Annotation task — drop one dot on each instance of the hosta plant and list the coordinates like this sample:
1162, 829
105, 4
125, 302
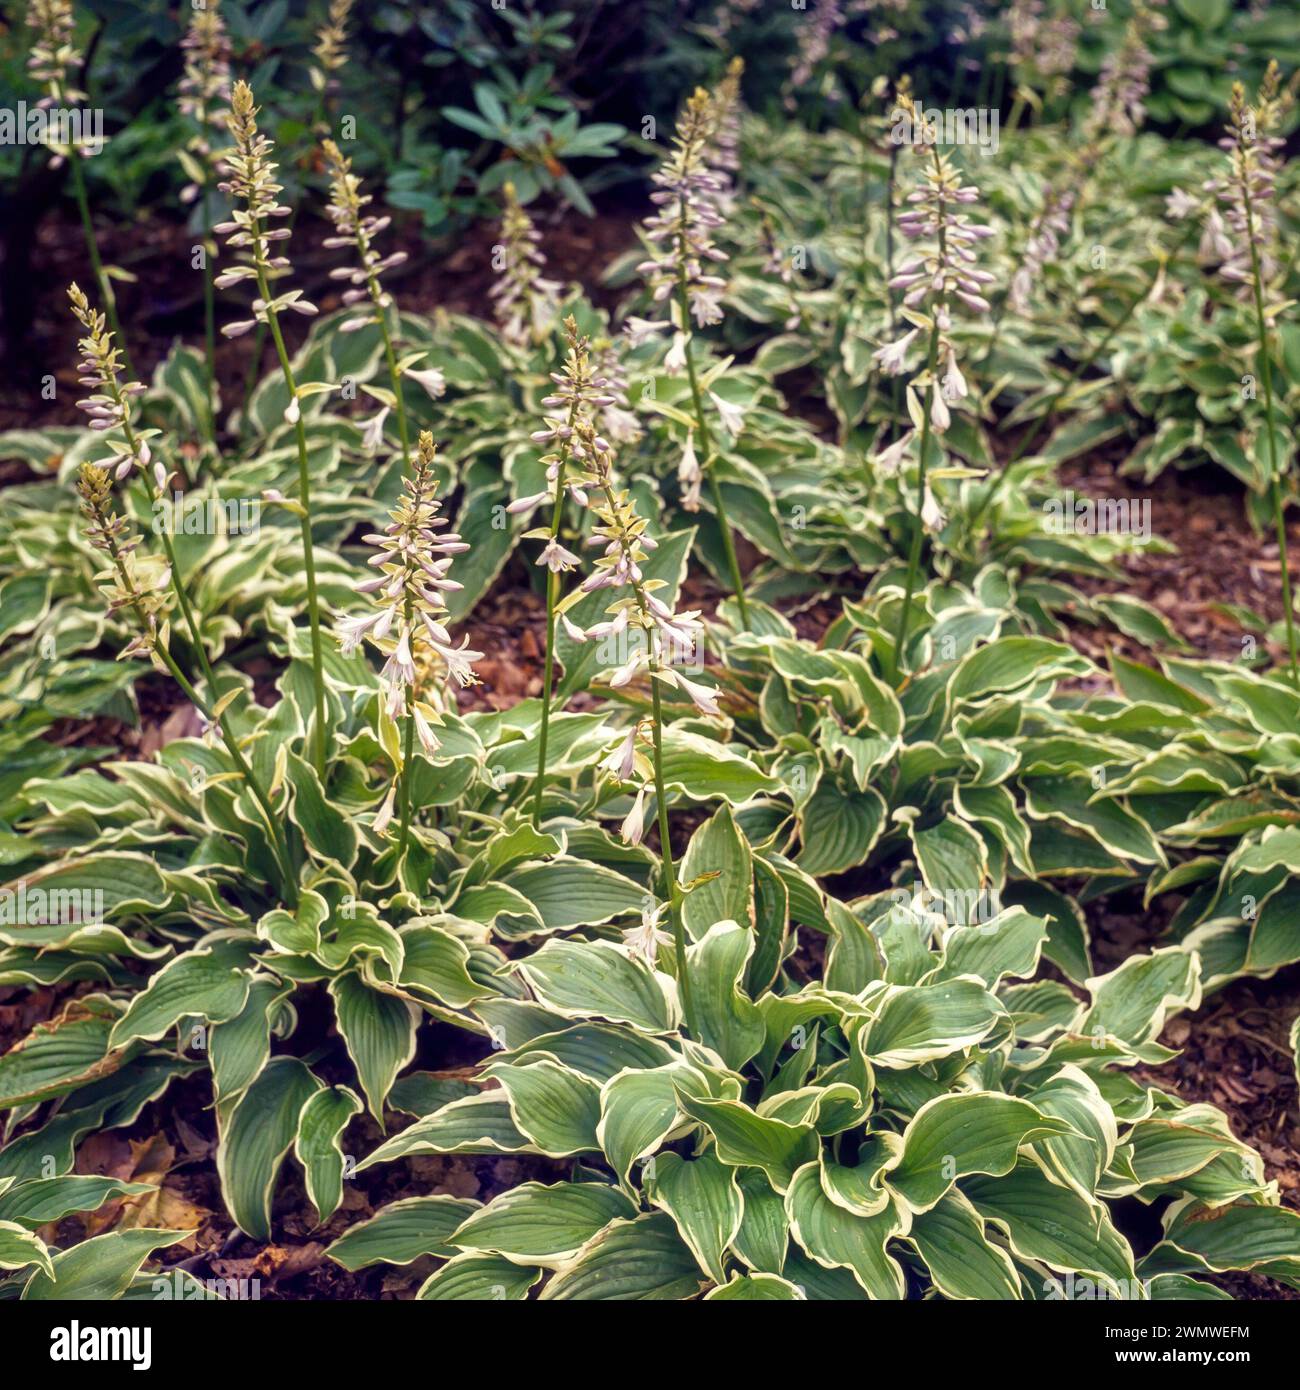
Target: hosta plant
923, 1122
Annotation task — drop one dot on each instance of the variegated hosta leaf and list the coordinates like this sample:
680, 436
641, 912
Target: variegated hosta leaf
702, 1197
718, 848
38, 1203
643, 1258
317, 1147
474, 1278
240, 1047
1009, 945
927, 1022
953, 1240
480, 1123
1133, 1001
641, 1107
20, 1248
755, 1288
554, 1107
957, 1135
1043, 1221
69, 1051
538, 1225
747, 1139
208, 982
100, 1268
379, 1030
600, 980
1265, 1239
402, 1232
836, 1238
111, 1101
254, 1141
729, 1021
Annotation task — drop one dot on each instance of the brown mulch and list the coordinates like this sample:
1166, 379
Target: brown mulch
1233, 1053
1219, 558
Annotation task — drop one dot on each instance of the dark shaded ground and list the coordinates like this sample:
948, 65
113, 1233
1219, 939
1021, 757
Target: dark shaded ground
1234, 1050
166, 301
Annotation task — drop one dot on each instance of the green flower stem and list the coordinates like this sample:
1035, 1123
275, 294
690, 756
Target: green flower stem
278, 837
895, 386
304, 499
408, 753
1275, 485
1017, 110
552, 600
210, 337
377, 298
706, 442
918, 530
403, 432
259, 337
289, 888
889, 238
251, 375
671, 890
209, 294
97, 265
390, 355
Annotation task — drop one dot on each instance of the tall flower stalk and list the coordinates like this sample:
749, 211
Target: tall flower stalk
680, 273
53, 56
576, 395
935, 282
1248, 194
357, 229
652, 639
1119, 98
330, 55
525, 302
130, 583
204, 82
413, 556
330, 52
252, 185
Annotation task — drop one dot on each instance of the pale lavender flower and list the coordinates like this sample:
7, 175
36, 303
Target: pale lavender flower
1042, 248
526, 303
1245, 231
1119, 98
413, 555
681, 231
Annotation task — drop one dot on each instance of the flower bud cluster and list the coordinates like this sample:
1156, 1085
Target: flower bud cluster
526, 303
1119, 98
355, 228
940, 276
1244, 233
1042, 248
108, 407
252, 184
413, 555
681, 231
329, 51
140, 585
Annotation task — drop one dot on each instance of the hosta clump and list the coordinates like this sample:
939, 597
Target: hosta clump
924, 1121
974, 783
1220, 784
